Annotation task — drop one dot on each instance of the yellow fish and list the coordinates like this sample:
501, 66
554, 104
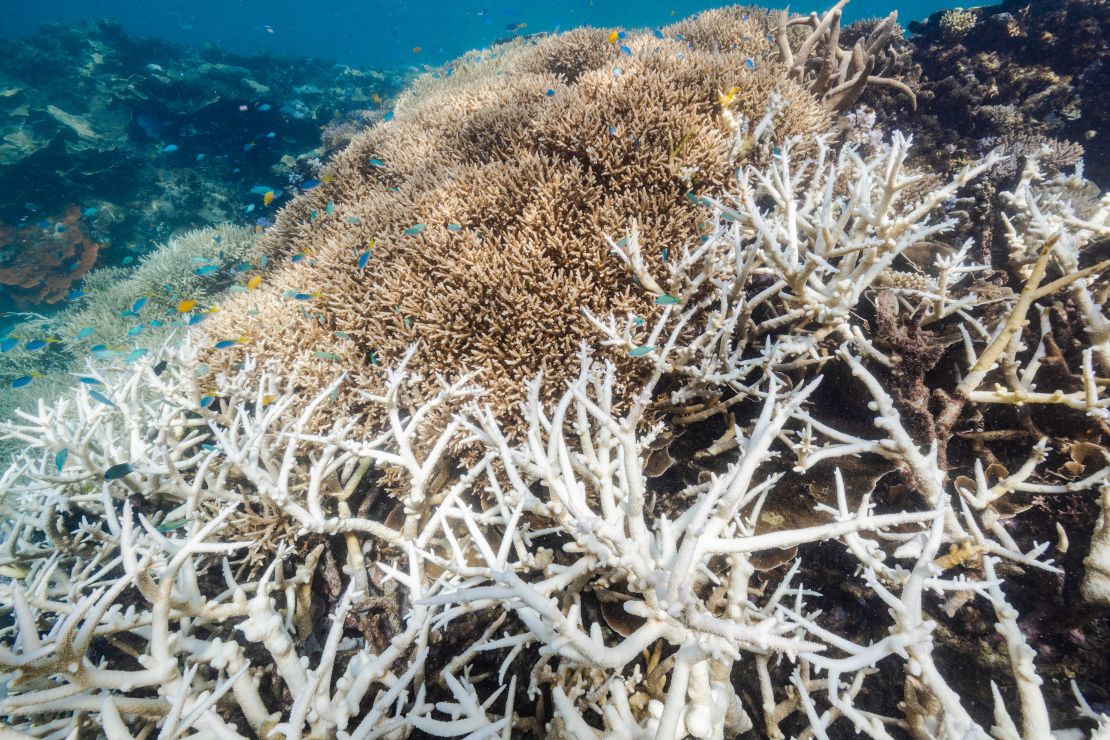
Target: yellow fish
267, 400
727, 97
186, 306
254, 282
613, 36
268, 198
376, 98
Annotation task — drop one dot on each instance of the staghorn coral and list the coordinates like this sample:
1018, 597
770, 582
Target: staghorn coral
41, 263
164, 277
957, 21
104, 317
478, 212
553, 588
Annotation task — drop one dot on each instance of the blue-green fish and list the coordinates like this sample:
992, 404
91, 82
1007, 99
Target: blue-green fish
101, 397
118, 471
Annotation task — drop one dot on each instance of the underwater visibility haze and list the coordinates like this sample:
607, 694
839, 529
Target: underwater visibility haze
579, 370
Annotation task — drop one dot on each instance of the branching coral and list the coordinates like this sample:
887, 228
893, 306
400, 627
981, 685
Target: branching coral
472, 223
551, 586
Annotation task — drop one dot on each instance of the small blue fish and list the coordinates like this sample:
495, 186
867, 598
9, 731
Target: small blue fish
625, 50
330, 207
414, 230
138, 305
60, 458
264, 107
207, 269
617, 71
353, 220
640, 351
156, 323
749, 63
297, 257
262, 261
8, 344
128, 260
388, 116
75, 295
659, 34
135, 354
200, 157
225, 343
89, 380
135, 330
85, 333
454, 227
21, 381
169, 149
550, 93
196, 319
206, 401
101, 397
90, 212
249, 208
377, 163
302, 296
363, 259
309, 184
118, 471
35, 344
666, 300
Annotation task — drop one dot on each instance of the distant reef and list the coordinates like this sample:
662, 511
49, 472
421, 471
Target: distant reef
142, 139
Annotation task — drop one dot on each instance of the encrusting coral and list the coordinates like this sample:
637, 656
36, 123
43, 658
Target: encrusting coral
800, 478
42, 262
473, 222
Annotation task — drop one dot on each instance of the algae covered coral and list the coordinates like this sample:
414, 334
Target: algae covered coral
614, 387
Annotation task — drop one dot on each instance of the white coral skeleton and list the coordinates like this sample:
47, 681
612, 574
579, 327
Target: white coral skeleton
140, 596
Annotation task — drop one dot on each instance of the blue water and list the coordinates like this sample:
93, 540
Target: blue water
378, 34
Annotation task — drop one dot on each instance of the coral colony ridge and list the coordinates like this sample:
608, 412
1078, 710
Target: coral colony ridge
619, 384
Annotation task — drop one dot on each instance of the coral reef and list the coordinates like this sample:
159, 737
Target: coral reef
554, 586
617, 384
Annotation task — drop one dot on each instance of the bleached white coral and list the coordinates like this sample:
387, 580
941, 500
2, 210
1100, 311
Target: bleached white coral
142, 591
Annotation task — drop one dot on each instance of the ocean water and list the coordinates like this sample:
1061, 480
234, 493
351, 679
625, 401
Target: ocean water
378, 34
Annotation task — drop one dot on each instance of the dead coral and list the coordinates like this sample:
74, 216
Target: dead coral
837, 75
